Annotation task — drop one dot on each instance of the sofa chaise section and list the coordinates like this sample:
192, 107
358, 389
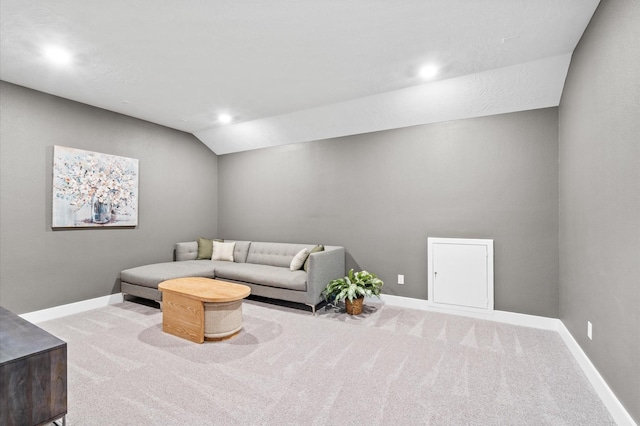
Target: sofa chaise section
143, 281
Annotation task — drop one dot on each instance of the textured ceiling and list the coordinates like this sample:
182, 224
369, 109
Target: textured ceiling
291, 71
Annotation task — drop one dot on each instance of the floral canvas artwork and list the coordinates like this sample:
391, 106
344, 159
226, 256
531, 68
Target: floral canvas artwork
92, 189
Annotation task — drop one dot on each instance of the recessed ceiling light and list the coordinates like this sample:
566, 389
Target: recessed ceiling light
225, 118
428, 71
57, 55
509, 38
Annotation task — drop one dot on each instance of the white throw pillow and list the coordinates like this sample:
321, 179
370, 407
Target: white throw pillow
298, 259
223, 251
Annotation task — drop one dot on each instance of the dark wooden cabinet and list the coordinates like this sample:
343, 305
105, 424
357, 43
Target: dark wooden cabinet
33, 373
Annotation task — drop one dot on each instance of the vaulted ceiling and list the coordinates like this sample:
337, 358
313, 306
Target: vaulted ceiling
290, 71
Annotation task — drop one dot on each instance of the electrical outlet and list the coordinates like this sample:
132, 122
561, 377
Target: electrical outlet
589, 330
400, 279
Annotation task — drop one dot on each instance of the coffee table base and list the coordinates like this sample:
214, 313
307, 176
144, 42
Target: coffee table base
222, 320
183, 317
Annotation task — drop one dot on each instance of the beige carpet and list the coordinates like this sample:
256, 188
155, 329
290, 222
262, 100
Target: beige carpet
389, 366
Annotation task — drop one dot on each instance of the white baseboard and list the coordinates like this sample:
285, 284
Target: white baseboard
616, 409
513, 318
71, 308
609, 399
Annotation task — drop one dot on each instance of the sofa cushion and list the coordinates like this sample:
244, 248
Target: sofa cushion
316, 249
205, 247
298, 259
241, 250
271, 276
186, 251
223, 251
152, 275
274, 254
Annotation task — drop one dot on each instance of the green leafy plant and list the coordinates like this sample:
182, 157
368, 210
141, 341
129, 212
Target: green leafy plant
353, 286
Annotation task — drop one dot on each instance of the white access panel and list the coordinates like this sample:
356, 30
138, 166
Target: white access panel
460, 273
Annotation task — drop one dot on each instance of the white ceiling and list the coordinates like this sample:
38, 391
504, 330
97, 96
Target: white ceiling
293, 70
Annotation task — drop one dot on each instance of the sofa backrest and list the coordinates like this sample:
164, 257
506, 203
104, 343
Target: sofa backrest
240, 251
186, 251
274, 254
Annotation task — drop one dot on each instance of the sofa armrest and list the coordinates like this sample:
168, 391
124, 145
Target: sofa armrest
186, 251
324, 266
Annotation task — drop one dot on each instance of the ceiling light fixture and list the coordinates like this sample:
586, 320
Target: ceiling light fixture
428, 71
57, 55
224, 118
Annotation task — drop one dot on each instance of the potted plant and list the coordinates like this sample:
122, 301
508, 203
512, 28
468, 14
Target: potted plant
352, 289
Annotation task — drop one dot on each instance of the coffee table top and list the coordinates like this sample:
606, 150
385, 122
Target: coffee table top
206, 289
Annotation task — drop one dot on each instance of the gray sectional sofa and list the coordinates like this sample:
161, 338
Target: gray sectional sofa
263, 266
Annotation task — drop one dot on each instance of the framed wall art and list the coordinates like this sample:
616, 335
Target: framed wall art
91, 189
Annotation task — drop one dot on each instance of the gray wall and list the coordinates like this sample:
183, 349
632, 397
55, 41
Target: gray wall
41, 268
599, 134
382, 194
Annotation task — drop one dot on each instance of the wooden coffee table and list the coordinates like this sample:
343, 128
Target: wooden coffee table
200, 309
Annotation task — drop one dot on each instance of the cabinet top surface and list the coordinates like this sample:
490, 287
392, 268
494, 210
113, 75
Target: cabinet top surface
19, 338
